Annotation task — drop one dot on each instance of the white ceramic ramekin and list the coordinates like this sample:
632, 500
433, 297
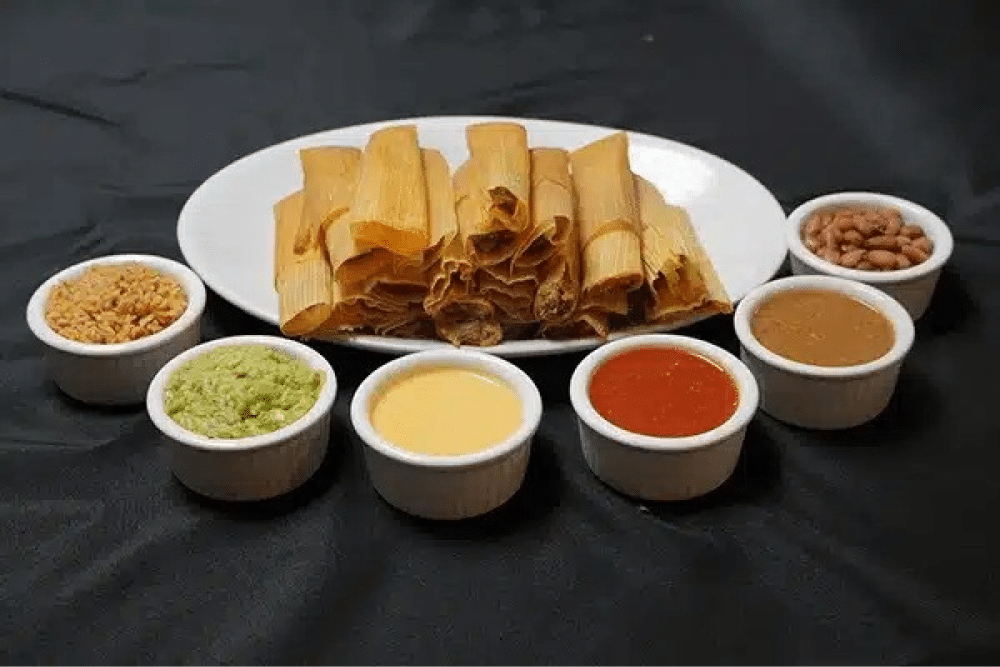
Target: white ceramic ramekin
116, 373
823, 397
655, 468
256, 467
447, 487
912, 287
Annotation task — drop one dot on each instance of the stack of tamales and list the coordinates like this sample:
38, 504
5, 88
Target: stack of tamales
519, 242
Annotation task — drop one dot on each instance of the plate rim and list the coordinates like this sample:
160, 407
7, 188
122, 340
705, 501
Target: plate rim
507, 349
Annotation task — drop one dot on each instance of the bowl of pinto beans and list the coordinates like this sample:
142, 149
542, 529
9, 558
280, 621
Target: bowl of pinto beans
890, 243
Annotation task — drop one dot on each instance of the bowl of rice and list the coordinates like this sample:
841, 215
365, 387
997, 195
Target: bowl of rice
109, 324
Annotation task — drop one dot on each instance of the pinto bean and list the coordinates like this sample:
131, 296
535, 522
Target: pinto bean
868, 227
883, 259
854, 237
923, 243
851, 258
845, 225
882, 242
914, 254
830, 254
830, 236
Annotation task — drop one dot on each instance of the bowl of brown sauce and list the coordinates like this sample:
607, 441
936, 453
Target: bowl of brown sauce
662, 416
825, 351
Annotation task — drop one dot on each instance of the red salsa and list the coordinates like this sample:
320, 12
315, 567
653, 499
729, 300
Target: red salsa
663, 392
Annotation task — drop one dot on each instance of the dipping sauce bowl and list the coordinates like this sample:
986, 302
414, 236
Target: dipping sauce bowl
442, 452
255, 467
824, 396
656, 467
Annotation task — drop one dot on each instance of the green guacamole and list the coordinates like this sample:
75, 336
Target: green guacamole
241, 390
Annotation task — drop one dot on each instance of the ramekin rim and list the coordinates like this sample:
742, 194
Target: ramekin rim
890, 308
932, 224
166, 425
748, 392
193, 286
519, 381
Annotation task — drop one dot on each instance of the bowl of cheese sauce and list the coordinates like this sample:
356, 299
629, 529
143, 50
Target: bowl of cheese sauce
447, 433
825, 350
662, 416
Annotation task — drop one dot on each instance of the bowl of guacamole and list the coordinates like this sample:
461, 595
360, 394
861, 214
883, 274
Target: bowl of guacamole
245, 417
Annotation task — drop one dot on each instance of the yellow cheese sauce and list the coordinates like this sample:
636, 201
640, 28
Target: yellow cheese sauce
446, 411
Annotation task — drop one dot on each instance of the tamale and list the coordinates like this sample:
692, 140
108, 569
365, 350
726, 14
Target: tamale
515, 298
442, 225
461, 316
555, 228
680, 278
328, 177
607, 207
499, 154
302, 278
580, 324
287, 213
512, 289
389, 209
470, 321
609, 231
551, 206
383, 278
355, 271
450, 277
405, 283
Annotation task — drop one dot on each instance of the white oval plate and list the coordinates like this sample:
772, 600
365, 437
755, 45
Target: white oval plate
226, 228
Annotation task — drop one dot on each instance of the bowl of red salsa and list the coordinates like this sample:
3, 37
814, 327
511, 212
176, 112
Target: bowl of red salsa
662, 416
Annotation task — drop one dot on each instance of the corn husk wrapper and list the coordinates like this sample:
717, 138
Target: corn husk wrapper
498, 153
302, 279
403, 281
460, 315
514, 298
680, 279
287, 213
387, 289
609, 230
551, 207
389, 208
442, 223
450, 267
555, 227
356, 271
328, 179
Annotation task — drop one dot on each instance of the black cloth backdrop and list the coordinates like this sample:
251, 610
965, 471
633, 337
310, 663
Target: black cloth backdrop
876, 544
